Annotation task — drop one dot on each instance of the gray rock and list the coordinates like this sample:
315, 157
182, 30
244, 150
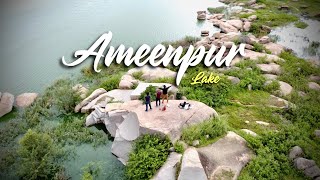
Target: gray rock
26, 99
129, 128
314, 86
296, 152
236, 23
249, 132
234, 80
302, 163
264, 40
314, 78
262, 123
121, 148
312, 172
270, 76
285, 88
101, 100
274, 48
195, 143
229, 153
90, 98
278, 102
120, 95
247, 26
271, 68
114, 119
191, 167
252, 18
81, 90
317, 133
169, 169
6, 103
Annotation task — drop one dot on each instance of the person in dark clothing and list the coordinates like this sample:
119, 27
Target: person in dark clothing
148, 101
158, 97
165, 93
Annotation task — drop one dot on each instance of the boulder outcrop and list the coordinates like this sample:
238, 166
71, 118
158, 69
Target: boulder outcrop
169, 170
229, 153
26, 99
6, 103
191, 167
90, 98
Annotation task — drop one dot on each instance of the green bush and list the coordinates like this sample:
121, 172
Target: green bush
217, 10
73, 131
138, 75
214, 128
178, 147
151, 90
38, 156
272, 86
91, 171
301, 25
149, 154
111, 83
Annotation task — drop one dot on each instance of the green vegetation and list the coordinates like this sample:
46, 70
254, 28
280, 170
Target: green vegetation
185, 42
111, 82
217, 10
178, 147
38, 156
206, 132
149, 154
138, 75
301, 25
151, 90
91, 170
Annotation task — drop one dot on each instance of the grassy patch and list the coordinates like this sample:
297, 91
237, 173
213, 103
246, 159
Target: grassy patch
138, 75
11, 115
111, 82
149, 154
178, 147
217, 10
301, 25
206, 132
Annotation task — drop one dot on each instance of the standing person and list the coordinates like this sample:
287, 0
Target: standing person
165, 93
158, 97
148, 101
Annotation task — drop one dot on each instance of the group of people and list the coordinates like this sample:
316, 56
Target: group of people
159, 94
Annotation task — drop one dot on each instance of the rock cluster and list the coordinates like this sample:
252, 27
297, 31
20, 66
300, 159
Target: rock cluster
229, 154
80, 90
308, 167
127, 121
149, 73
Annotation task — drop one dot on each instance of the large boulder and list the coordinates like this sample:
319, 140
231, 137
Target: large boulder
264, 40
274, 101
274, 48
227, 28
169, 169
285, 88
295, 153
6, 103
270, 76
234, 80
100, 101
314, 86
121, 148
303, 163
90, 98
127, 82
229, 153
271, 68
120, 95
26, 99
113, 120
247, 26
236, 23
252, 55
191, 167
229, 37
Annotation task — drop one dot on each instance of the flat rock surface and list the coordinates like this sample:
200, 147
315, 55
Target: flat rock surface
153, 73
229, 153
121, 95
171, 121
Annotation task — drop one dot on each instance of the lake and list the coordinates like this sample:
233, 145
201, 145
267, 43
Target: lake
35, 34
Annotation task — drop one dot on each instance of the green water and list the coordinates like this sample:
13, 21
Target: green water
36, 34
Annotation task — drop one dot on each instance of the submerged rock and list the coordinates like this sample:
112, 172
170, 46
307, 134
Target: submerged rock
26, 99
6, 103
229, 154
191, 167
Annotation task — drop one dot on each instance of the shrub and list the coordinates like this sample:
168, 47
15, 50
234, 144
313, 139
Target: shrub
91, 171
217, 10
214, 128
151, 90
111, 83
178, 147
149, 154
272, 86
138, 75
73, 131
258, 47
38, 156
